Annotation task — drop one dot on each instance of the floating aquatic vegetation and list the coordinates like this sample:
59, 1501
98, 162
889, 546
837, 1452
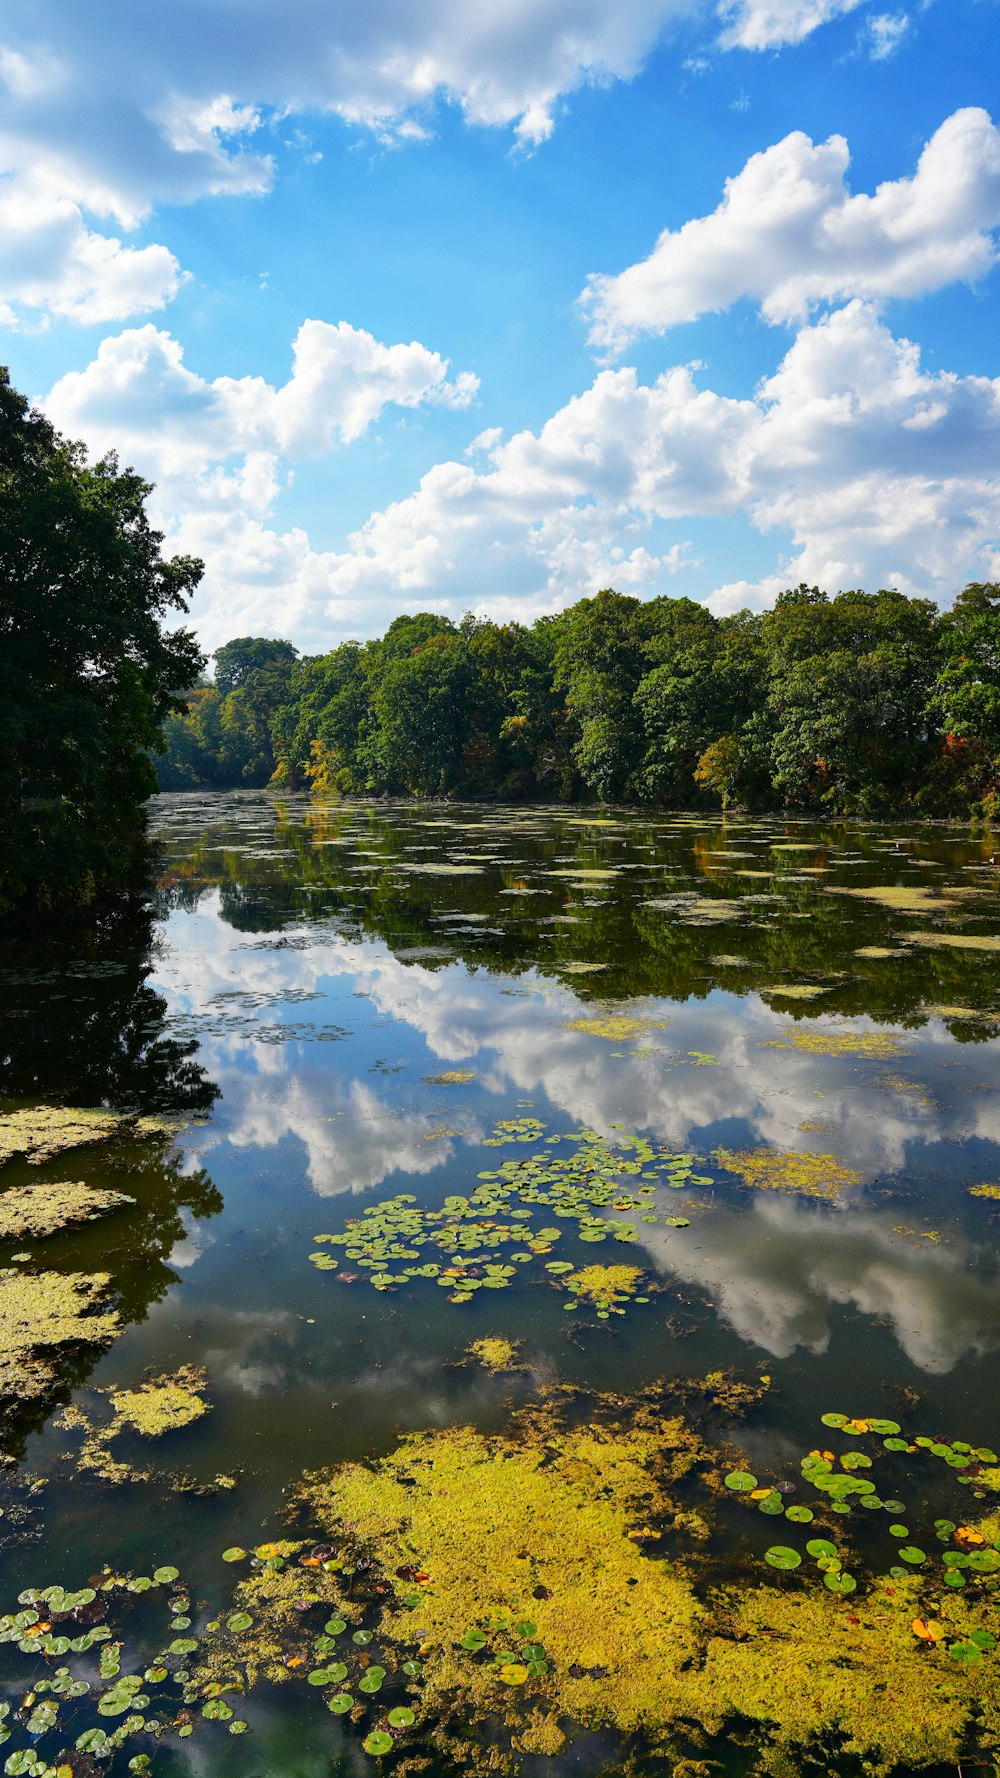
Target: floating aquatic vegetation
958, 941
879, 952
39, 1132
932, 1010
451, 1077
480, 1241
772, 1169
837, 1043
536, 1608
41, 1312
607, 1287
585, 875
34, 1211
614, 1027
692, 909
908, 898
985, 1191
155, 1407
495, 1354
798, 990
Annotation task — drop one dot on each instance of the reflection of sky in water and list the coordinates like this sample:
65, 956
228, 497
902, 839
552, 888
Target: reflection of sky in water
777, 1270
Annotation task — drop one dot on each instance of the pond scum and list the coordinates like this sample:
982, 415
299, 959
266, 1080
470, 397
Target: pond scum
489, 1599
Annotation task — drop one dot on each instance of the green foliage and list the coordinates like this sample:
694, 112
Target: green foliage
87, 671
850, 705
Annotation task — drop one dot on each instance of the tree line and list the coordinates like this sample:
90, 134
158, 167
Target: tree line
859, 704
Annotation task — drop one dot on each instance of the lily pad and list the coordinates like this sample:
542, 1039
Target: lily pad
377, 1742
781, 1556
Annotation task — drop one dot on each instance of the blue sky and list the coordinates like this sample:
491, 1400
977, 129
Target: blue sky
436, 307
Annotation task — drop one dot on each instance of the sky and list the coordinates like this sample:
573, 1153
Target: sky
422, 306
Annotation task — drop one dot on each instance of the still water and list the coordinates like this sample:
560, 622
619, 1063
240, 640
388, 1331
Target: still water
790, 1031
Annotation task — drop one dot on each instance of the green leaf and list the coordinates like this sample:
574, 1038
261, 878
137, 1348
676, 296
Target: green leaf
780, 1556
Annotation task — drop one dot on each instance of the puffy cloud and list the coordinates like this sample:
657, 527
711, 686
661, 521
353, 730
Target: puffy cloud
788, 235
138, 396
879, 472
51, 261
768, 24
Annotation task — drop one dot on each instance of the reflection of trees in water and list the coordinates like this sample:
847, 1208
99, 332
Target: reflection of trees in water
790, 930
79, 1026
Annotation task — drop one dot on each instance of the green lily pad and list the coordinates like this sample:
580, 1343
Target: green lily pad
340, 1703
840, 1583
820, 1546
401, 1717
799, 1515
912, 1554
741, 1481
240, 1620
377, 1742
164, 1575
234, 1554
833, 1419
780, 1556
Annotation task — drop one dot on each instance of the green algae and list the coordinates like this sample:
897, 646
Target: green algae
41, 1313
496, 1355
34, 1211
838, 1043
614, 1027
804, 1174
40, 1132
156, 1406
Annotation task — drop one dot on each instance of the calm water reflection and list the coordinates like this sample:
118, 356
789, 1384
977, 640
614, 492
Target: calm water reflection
308, 974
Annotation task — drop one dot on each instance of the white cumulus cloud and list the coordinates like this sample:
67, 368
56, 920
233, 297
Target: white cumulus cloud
789, 234
867, 469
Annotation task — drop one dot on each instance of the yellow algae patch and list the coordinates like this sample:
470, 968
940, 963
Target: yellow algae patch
581, 875
544, 1530
614, 1027
601, 1284
771, 1169
956, 941
39, 1210
797, 990
451, 1077
961, 1012
985, 1191
532, 1574
912, 898
837, 1043
495, 1355
40, 1312
698, 910
878, 952
162, 1405
41, 1131
801, 1665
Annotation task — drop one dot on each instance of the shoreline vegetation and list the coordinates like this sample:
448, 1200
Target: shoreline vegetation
863, 704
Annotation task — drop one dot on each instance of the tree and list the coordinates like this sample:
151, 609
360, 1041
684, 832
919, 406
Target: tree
236, 661
88, 672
